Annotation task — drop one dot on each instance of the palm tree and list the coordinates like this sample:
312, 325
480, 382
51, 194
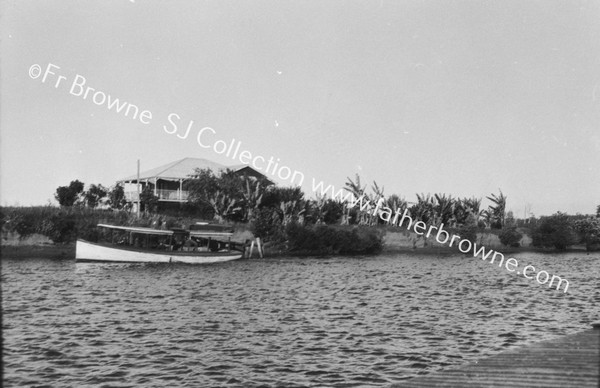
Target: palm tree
395, 203
377, 195
488, 218
499, 210
423, 210
252, 195
292, 211
464, 207
443, 209
473, 205
223, 205
318, 207
357, 191
222, 193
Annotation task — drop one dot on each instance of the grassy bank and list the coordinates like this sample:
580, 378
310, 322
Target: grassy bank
397, 240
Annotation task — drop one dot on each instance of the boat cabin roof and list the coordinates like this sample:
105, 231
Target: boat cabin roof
171, 232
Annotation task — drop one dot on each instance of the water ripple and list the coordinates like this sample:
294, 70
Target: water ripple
335, 322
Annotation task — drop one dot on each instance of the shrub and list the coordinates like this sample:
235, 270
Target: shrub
510, 237
367, 240
267, 225
24, 225
468, 232
61, 225
116, 197
62, 228
333, 211
149, 201
589, 230
555, 231
25, 221
327, 240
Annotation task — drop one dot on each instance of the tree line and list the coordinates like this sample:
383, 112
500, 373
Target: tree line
94, 196
273, 212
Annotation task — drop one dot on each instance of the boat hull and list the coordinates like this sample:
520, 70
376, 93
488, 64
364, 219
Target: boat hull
87, 251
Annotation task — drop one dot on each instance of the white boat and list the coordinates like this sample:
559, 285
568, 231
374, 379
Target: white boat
201, 245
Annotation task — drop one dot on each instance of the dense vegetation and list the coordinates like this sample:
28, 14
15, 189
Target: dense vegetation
64, 224
283, 217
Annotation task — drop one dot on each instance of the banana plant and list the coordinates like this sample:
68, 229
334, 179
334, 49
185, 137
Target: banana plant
252, 196
499, 210
357, 191
443, 209
223, 205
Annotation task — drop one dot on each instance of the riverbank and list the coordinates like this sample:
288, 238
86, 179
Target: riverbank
405, 242
58, 251
394, 242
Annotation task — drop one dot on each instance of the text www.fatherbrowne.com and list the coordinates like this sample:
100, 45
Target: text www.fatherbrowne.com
465, 246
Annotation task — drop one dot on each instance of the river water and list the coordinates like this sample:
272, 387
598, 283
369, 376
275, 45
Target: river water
335, 322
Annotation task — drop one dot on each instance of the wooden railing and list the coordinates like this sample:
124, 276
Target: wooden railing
172, 195
163, 195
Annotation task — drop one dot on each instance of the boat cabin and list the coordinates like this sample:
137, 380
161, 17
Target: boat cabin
199, 238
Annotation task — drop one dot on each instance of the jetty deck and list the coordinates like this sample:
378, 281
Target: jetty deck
570, 361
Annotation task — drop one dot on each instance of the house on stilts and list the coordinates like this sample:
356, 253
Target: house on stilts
168, 181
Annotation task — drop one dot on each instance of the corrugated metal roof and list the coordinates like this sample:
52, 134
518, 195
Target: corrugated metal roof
181, 169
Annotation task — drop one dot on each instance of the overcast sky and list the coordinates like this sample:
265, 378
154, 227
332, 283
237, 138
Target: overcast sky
459, 97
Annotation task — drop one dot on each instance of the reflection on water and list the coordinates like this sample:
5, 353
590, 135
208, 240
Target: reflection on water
338, 322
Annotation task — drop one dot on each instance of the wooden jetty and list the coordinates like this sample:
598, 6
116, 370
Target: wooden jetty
570, 361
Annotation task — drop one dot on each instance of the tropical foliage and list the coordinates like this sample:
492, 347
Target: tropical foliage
61, 225
555, 231
69, 195
94, 195
325, 240
148, 200
353, 215
116, 198
230, 197
510, 237
589, 230
282, 215
496, 213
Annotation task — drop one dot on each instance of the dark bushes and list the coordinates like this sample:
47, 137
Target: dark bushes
267, 224
26, 220
510, 237
555, 231
589, 230
61, 225
330, 240
62, 228
468, 232
66, 224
